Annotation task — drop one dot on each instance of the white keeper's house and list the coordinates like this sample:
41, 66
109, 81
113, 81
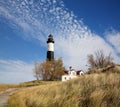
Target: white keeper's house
71, 74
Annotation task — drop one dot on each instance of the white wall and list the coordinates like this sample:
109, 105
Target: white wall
71, 74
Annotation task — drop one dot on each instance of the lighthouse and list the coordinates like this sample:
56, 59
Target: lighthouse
50, 50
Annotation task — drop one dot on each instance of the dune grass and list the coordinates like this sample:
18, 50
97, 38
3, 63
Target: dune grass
4, 87
34, 83
94, 90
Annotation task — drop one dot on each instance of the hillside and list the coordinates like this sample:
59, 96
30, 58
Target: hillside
95, 90
4, 87
111, 68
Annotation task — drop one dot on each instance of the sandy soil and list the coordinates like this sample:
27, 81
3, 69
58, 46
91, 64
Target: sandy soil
4, 96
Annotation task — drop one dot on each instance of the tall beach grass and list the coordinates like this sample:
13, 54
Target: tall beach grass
4, 87
95, 90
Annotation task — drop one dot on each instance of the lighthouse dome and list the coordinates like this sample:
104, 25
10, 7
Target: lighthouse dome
50, 39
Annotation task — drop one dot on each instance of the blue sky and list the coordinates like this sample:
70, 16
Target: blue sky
99, 15
79, 28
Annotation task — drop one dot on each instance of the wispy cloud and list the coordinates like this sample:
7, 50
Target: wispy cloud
15, 71
114, 39
75, 52
73, 39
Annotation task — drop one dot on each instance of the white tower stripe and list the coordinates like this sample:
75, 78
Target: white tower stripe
50, 46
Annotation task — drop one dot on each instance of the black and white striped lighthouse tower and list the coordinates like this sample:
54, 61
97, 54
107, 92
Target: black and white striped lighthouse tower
50, 51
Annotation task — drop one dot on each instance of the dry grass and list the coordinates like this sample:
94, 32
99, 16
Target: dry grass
4, 87
95, 90
108, 69
34, 83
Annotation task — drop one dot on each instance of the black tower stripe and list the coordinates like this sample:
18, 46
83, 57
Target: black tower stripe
50, 55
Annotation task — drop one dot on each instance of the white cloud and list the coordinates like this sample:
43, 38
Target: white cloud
15, 71
75, 50
114, 38
73, 40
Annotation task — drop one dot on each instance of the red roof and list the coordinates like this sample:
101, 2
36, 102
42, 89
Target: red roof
78, 72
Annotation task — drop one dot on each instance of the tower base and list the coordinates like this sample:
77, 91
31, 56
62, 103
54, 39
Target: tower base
50, 55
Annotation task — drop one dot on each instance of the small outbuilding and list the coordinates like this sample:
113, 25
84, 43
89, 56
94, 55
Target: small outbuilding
71, 74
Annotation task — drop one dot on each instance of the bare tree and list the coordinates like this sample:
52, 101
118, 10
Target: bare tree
99, 60
49, 70
91, 61
36, 71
